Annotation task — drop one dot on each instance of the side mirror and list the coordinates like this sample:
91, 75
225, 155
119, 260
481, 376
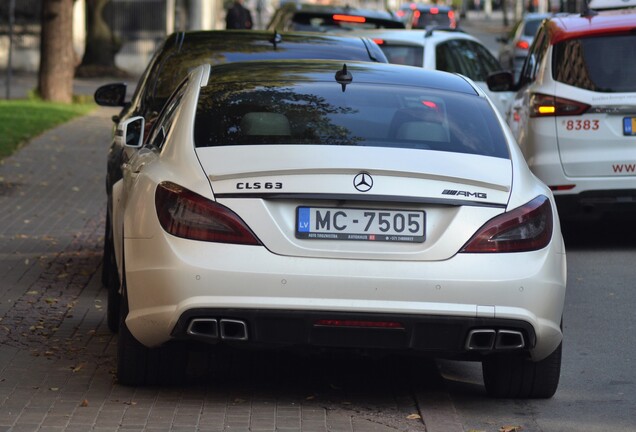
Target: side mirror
501, 81
130, 132
111, 95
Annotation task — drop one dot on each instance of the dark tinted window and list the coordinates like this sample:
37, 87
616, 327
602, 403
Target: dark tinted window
602, 64
362, 115
404, 54
531, 27
311, 21
466, 57
428, 19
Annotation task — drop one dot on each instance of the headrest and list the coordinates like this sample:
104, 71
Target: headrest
265, 123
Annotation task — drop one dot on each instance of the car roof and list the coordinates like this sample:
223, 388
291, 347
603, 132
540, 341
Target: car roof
326, 71
611, 4
532, 16
416, 36
608, 22
238, 45
342, 9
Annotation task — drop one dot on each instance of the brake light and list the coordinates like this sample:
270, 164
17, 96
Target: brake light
379, 41
523, 229
434, 11
349, 18
188, 215
524, 45
547, 106
431, 105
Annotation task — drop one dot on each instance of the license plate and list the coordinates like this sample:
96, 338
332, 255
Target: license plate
629, 126
325, 223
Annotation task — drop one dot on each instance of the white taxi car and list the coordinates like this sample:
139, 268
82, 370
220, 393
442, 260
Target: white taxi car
446, 49
574, 115
316, 204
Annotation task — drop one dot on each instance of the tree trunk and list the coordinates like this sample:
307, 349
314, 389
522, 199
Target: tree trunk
101, 43
57, 58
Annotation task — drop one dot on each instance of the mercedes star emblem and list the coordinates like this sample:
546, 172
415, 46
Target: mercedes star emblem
363, 182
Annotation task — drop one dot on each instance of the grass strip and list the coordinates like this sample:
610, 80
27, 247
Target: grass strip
21, 120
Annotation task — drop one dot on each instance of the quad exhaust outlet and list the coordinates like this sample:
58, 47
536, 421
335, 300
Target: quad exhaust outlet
491, 339
212, 328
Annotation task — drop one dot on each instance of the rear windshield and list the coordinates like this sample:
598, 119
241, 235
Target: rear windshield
404, 54
363, 115
310, 21
601, 64
427, 19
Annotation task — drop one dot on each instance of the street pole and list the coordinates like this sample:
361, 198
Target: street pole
9, 58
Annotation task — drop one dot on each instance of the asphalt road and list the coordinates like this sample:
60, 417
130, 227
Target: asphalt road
57, 357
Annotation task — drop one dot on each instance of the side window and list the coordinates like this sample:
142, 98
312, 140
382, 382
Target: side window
466, 57
164, 122
536, 54
482, 62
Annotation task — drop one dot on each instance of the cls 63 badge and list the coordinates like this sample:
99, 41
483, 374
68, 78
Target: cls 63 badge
259, 185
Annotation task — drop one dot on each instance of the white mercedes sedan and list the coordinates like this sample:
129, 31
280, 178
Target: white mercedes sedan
319, 205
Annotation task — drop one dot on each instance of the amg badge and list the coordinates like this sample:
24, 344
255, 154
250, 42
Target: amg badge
467, 194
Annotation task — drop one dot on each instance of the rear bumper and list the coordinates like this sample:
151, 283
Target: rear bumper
450, 337
280, 298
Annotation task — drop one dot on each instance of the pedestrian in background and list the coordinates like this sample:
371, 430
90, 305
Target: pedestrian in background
238, 16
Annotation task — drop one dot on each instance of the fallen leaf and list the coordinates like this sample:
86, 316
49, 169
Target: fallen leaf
84, 403
510, 428
78, 367
54, 388
239, 400
413, 417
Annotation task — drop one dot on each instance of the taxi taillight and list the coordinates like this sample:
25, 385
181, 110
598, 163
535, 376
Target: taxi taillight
550, 106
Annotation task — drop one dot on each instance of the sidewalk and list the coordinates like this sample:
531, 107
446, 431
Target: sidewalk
57, 357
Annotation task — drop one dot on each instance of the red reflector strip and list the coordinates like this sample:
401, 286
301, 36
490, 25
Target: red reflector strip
356, 323
562, 187
349, 18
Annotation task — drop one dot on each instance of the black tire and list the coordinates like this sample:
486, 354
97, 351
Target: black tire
138, 365
110, 280
513, 376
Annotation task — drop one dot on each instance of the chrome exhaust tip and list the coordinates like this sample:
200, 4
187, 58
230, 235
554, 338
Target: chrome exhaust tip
509, 339
233, 329
203, 328
481, 340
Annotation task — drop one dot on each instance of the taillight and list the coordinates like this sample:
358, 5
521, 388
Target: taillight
379, 41
523, 229
188, 215
434, 11
524, 45
550, 106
